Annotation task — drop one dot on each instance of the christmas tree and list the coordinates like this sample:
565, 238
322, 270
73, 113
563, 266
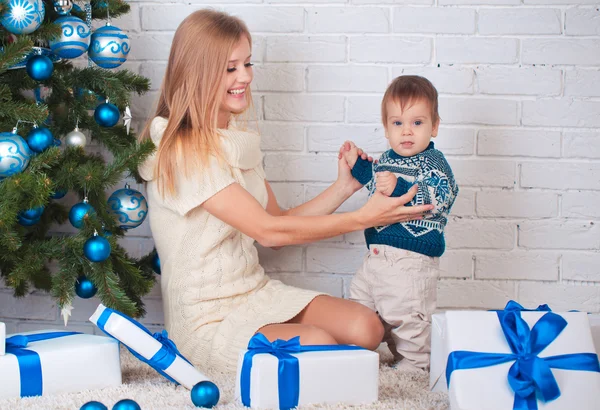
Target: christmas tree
45, 96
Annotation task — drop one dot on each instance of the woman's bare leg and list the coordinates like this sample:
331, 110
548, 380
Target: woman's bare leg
309, 334
346, 321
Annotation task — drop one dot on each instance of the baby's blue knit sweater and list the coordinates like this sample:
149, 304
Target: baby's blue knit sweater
433, 175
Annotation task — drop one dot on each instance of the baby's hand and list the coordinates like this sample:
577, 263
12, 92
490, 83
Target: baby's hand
386, 182
350, 153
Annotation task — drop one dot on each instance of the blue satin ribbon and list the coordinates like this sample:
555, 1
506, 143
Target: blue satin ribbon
30, 365
288, 367
529, 373
162, 359
513, 306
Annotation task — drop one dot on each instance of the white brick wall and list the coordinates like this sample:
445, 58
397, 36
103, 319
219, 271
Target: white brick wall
519, 84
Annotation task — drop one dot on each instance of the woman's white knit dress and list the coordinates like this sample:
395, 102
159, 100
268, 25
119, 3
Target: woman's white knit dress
215, 293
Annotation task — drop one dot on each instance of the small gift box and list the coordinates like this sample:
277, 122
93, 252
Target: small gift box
515, 359
285, 374
49, 362
157, 350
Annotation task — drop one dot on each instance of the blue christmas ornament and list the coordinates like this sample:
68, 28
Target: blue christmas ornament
156, 263
74, 40
96, 249
26, 221
14, 154
93, 405
35, 51
109, 47
205, 394
126, 404
33, 213
39, 68
129, 206
23, 16
59, 193
39, 139
107, 114
78, 212
84, 288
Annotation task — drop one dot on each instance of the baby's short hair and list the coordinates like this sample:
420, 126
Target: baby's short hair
407, 89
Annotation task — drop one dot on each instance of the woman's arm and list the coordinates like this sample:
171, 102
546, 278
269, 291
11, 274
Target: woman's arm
236, 207
327, 201
323, 204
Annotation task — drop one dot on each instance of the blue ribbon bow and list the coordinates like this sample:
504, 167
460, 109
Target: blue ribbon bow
288, 368
162, 359
30, 365
529, 373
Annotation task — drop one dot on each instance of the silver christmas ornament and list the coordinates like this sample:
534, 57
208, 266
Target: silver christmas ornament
127, 118
63, 7
76, 138
129, 206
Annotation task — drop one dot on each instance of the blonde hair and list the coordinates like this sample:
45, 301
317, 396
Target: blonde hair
190, 94
407, 89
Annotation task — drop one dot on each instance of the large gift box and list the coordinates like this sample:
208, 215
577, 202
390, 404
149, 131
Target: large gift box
52, 361
157, 350
515, 359
285, 374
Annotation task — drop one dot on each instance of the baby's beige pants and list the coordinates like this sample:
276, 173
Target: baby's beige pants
402, 287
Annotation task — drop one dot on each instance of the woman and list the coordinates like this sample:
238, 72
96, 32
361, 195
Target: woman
210, 202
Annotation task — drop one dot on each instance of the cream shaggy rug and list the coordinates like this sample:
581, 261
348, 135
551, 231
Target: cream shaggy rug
397, 391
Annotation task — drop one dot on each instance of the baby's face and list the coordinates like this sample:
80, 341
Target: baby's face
410, 131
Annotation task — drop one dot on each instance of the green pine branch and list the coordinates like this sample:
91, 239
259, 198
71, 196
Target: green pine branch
26, 252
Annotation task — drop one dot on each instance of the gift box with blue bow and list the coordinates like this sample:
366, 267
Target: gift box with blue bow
52, 362
284, 374
515, 359
156, 350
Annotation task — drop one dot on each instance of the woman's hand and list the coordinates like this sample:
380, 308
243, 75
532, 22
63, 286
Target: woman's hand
381, 210
345, 178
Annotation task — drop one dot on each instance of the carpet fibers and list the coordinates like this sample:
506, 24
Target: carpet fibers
398, 390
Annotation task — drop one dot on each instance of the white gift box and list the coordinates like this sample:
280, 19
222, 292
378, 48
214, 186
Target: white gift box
2, 338
68, 364
139, 341
487, 387
339, 376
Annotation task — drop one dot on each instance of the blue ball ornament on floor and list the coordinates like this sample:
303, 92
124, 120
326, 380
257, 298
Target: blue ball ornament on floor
84, 288
129, 206
39, 68
109, 47
205, 394
126, 404
14, 154
156, 263
74, 40
96, 249
93, 405
78, 212
107, 115
23, 16
40, 139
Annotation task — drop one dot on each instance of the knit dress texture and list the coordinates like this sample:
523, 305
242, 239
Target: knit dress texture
215, 293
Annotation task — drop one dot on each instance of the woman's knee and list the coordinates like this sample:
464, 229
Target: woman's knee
367, 329
314, 335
